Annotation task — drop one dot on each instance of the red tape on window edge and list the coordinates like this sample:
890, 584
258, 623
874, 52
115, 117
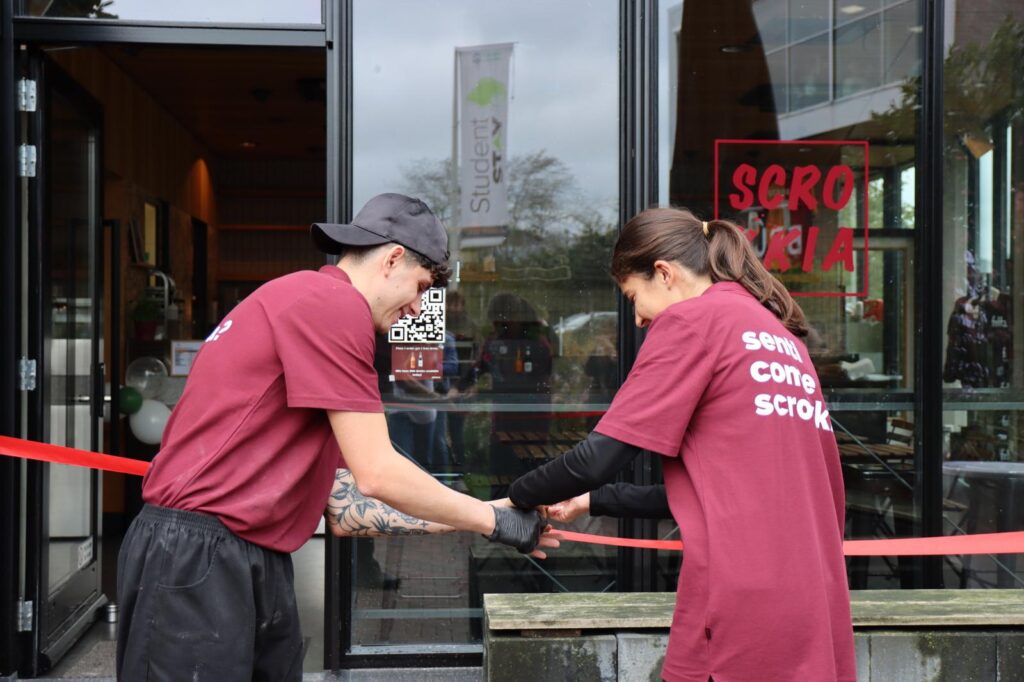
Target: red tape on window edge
982, 543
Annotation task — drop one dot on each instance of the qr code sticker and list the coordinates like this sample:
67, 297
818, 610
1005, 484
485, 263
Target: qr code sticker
428, 327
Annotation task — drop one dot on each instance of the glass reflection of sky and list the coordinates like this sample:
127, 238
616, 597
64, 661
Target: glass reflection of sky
565, 85
225, 11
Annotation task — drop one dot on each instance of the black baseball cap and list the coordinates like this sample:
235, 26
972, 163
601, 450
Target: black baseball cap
387, 218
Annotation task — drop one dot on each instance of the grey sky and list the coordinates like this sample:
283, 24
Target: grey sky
564, 84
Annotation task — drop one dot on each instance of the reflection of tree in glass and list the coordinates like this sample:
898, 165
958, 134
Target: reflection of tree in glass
555, 256
553, 229
980, 81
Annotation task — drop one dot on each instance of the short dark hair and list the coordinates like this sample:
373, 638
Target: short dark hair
439, 272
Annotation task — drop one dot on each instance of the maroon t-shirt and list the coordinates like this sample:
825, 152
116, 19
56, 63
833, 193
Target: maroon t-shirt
249, 442
753, 478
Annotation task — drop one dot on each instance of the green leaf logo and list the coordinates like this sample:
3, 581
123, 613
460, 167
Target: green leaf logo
486, 90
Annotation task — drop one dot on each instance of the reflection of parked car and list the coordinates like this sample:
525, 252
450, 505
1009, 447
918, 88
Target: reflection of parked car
574, 322
577, 333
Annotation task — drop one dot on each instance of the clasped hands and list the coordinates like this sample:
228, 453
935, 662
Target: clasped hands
528, 530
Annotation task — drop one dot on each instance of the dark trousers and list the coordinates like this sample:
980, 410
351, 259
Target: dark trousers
199, 603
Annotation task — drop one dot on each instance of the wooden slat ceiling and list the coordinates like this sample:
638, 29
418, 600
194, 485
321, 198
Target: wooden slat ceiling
272, 98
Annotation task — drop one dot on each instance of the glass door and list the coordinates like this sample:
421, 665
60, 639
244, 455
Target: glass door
511, 136
65, 264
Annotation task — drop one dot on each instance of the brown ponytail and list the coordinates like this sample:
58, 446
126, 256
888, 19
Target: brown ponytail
674, 234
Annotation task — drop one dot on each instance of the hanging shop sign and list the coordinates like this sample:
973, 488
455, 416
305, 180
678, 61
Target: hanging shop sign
804, 208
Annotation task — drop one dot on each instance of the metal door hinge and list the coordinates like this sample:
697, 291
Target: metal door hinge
25, 613
26, 161
26, 374
26, 95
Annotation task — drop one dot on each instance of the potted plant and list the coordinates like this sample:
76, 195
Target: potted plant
147, 315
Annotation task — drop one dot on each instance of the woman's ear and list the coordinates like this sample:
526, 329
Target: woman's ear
663, 273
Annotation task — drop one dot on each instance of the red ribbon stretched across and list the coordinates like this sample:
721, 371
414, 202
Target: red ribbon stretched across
983, 543
58, 454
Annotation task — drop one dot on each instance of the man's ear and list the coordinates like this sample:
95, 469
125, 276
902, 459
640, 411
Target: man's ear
393, 257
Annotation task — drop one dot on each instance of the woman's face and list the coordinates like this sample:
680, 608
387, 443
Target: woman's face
649, 297
670, 283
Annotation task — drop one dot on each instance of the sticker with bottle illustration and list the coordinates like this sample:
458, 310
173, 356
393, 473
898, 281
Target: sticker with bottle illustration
417, 361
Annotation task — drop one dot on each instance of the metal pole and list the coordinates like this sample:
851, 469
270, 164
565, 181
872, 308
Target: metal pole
453, 187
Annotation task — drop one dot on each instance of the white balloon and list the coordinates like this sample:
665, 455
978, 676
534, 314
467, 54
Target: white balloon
147, 375
149, 422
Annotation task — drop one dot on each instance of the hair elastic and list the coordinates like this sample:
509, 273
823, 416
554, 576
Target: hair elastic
704, 224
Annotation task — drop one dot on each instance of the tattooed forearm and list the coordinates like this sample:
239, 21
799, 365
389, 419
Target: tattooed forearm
349, 512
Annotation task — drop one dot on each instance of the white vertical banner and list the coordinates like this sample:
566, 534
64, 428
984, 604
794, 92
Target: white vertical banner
482, 116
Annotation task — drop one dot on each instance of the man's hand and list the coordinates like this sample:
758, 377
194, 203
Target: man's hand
570, 510
547, 540
517, 528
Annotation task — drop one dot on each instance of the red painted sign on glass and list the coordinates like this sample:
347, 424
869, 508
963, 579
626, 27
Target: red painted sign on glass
802, 205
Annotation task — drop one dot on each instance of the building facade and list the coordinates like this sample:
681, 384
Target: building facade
162, 160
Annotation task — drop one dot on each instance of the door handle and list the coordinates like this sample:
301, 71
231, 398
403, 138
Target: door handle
96, 400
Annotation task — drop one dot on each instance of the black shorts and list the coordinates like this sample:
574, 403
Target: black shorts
199, 603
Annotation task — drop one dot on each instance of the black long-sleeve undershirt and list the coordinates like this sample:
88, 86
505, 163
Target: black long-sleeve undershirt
589, 465
626, 500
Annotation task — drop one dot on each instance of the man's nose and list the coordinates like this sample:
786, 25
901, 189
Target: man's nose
640, 322
414, 308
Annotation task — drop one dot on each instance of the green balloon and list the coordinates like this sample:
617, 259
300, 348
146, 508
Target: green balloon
130, 399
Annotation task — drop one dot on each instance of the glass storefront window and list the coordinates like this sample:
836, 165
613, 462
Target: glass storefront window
808, 73
852, 10
982, 232
530, 354
847, 252
199, 11
859, 56
771, 23
807, 18
902, 28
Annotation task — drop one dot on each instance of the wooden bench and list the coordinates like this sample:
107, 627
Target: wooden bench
900, 635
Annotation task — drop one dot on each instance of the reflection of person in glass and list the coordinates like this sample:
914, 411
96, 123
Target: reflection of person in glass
724, 390
459, 343
979, 354
517, 357
980, 336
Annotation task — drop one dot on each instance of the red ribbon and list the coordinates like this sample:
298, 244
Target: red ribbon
982, 543
58, 454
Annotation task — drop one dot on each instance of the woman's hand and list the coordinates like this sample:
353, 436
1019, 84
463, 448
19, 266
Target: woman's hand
570, 510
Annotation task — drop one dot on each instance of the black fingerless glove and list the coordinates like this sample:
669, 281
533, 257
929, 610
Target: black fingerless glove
517, 528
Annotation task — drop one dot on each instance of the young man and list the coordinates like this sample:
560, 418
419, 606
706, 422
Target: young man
278, 392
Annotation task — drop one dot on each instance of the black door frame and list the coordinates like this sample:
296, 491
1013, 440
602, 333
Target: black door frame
10, 469
17, 31
59, 619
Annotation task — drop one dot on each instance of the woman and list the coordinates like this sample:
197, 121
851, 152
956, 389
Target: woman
723, 388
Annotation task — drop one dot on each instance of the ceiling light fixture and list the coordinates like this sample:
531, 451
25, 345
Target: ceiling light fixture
248, 145
851, 9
